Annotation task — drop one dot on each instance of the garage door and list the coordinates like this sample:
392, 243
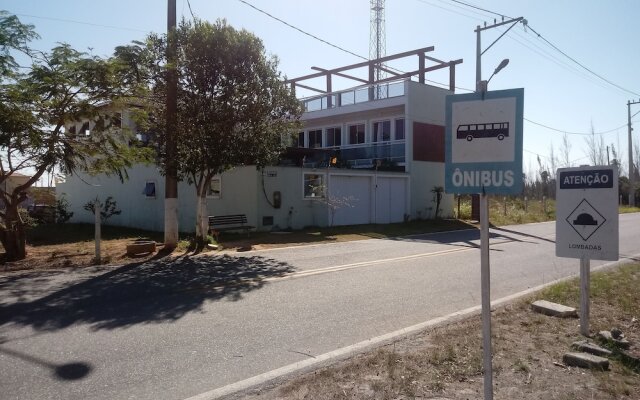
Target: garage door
358, 190
391, 200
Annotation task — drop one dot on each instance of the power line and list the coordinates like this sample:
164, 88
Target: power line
435, 82
580, 64
480, 8
190, 10
301, 31
83, 23
553, 46
574, 133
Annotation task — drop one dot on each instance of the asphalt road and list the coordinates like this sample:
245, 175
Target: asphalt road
172, 331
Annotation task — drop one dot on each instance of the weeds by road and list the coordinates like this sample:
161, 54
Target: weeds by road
446, 362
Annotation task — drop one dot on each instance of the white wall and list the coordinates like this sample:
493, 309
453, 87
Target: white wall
426, 104
424, 177
295, 211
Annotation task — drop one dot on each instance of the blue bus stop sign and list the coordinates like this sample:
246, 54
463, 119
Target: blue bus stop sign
484, 142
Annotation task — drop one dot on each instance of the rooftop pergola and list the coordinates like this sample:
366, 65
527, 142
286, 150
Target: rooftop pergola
379, 65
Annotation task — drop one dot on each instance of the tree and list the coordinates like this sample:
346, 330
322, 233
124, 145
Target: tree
438, 192
14, 35
233, 105
107, 210
565, 152
596, 149
62, 85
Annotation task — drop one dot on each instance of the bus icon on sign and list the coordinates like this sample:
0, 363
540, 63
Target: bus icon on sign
498, 130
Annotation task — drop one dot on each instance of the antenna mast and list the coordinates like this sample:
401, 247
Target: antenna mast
377, 42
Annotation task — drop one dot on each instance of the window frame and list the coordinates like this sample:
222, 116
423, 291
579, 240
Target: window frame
210, 194
374, 132
364, 135
312, 144
155, 189
318, 194
333, 136
395, 128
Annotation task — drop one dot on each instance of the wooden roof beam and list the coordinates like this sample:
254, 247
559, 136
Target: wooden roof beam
341, 75
363, 64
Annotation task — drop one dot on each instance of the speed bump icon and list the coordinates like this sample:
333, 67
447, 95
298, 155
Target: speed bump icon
585, 220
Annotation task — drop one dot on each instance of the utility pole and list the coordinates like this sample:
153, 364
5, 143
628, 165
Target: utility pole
485, 277
171, 178
632, 183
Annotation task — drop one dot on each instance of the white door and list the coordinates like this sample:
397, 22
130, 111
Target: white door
391, 200
352, 195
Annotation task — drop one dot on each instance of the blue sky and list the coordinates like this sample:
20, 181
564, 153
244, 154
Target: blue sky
601, 35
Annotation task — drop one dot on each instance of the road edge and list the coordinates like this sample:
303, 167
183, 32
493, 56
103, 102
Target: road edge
274, 376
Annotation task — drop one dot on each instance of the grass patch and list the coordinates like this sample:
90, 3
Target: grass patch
446, 362
619, 288
52, 234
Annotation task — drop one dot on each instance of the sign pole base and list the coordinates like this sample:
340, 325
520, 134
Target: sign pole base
585, 282
485, 281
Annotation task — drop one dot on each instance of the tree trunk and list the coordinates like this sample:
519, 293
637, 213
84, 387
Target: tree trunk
14, 239
202, 223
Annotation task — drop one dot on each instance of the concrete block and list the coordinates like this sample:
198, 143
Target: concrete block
553, 309
591, 348
607, 337
141, 248
584, 360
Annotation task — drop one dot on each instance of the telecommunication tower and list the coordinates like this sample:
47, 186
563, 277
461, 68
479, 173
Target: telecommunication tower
377, 42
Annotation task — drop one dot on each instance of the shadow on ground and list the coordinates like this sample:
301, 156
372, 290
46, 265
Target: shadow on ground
158, 291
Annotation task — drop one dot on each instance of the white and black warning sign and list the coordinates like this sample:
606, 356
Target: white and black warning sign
587, 213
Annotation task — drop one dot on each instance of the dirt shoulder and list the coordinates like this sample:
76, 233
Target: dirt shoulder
72, 245
446, 362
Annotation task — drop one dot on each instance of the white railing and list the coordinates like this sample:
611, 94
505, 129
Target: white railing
357, 95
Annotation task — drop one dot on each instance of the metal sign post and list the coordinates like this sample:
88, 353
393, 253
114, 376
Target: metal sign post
484, 155
587, 222
585, 283
485, 285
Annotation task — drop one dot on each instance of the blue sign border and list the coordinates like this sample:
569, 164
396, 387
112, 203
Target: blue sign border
515, 166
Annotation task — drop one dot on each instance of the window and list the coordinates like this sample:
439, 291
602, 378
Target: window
382, 131
300, 139
313, 186
116, 120
214, 188
149, 189
334, 136
315, 138
356, 134
72, 130
399, 128
85, 129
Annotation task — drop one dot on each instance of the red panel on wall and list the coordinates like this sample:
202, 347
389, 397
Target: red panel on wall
428, 142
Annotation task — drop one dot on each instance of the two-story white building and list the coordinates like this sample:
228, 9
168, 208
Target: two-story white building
367, 154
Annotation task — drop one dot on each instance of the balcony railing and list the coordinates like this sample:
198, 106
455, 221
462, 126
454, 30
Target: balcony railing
354, 96
380, 155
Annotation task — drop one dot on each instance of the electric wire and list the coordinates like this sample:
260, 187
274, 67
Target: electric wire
301, 31
362, 57
83, 23
553, 46
439, 83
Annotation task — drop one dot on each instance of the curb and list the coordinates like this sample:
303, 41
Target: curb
282, 373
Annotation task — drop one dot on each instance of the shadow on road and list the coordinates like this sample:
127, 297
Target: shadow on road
470, 238
72, 371
157, 291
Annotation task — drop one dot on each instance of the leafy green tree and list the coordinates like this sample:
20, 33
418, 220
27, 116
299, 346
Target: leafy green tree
107, 210
233, 105
60, 86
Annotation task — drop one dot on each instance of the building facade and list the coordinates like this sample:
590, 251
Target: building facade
370, 154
